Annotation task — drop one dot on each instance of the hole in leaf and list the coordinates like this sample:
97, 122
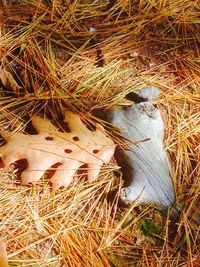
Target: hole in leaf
49, 138
75, 138
95, 151
50, 172
67, 150
19, 166
82, 171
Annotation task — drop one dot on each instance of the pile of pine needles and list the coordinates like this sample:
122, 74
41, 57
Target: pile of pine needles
84, 55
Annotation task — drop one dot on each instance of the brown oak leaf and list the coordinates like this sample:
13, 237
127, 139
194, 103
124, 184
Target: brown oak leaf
50, 146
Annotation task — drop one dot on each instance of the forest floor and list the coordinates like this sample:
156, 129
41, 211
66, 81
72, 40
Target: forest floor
83, 56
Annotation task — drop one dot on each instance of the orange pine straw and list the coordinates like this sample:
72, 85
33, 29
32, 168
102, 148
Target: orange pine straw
3, 255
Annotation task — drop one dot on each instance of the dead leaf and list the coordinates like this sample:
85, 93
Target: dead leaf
49, 147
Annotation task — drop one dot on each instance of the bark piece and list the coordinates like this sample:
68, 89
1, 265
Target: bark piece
146, 163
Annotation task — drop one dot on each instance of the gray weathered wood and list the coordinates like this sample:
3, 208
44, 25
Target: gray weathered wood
150, 168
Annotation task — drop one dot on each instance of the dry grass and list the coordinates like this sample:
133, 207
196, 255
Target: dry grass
59, 64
